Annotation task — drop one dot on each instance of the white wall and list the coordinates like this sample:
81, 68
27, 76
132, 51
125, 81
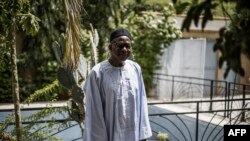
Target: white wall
184, 57
191, 58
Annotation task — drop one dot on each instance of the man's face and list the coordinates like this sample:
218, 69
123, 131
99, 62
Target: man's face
120, 48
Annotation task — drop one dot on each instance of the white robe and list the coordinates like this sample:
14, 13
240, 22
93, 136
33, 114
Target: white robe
116, 104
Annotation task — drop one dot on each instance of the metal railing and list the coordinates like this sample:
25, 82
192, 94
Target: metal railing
183, 130
176, 88
226, 100
61, 121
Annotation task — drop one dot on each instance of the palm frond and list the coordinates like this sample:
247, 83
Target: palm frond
94, 40
72, 41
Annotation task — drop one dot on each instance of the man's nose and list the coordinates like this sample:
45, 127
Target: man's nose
123, 48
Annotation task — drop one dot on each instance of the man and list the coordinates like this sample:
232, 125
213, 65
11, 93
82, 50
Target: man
116, 102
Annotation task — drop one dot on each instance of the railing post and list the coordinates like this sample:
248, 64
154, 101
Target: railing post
228, 97
225, 107
243, 103
156, 90
172, 94
211, 95
197, 120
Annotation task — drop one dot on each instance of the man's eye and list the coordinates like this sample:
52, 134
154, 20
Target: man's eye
128, 46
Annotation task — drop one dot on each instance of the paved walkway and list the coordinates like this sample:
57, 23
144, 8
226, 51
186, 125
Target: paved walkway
180, 108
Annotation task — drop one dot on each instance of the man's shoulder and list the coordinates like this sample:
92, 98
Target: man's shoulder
100, 66
134, 64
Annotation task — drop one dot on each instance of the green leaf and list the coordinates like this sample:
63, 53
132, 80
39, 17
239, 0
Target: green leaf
197, 13
174, 1
30, 23
187, 21
181, 7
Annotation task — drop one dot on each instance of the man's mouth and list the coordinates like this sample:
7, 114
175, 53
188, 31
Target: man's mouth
123, 56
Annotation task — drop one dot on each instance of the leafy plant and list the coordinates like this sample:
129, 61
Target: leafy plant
162, 136
233, 42
35, 57
33, 130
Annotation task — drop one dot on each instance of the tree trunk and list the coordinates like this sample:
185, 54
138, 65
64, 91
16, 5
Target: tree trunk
15, 86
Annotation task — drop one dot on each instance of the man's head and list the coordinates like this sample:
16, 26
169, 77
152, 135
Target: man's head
119, 32
120, 46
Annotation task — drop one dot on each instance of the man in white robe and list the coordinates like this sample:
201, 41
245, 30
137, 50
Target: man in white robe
116, 102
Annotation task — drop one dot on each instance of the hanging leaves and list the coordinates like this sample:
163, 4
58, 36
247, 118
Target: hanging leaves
29, 23
72, 48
